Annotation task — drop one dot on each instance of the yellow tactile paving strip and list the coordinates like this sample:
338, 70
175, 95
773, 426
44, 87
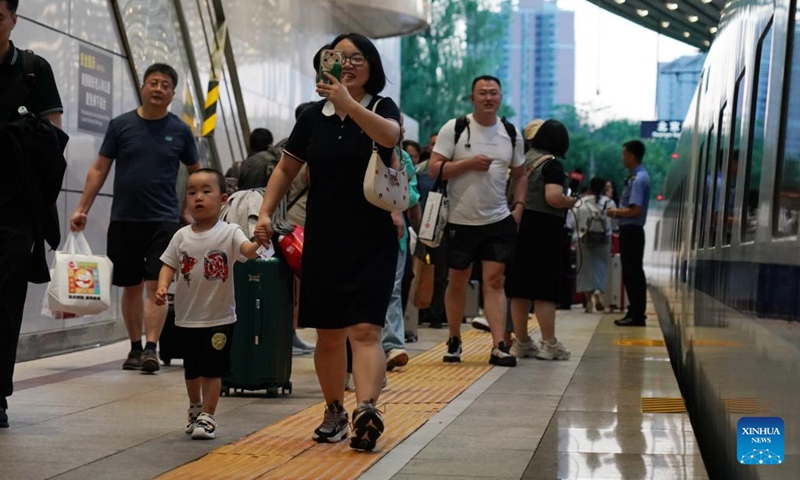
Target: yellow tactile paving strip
744, 405
663, 405
284, 450
638, 342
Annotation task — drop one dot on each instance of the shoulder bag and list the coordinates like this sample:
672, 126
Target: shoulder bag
385, 187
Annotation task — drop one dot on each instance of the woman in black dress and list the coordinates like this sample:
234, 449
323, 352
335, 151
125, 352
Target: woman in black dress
350, 250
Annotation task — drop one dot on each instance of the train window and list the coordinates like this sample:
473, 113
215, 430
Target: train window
698, 192
716, 180
733, 160
757, 133
786, 210
711, 148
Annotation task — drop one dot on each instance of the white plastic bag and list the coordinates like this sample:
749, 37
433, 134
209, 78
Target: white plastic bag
434, 219
80, 282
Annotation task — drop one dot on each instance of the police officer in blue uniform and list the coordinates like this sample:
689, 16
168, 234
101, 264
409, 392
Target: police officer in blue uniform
632, 215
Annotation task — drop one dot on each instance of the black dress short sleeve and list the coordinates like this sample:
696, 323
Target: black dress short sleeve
297, 145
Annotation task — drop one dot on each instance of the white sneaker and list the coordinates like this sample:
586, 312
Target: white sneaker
206, 428
348, 383
597, 298
191, 421
396, 357
522, 349
553, 351
481, 323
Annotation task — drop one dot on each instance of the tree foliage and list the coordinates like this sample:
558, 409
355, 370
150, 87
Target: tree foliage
605, 144
466, 39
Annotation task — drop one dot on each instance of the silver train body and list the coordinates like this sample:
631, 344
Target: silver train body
725, 270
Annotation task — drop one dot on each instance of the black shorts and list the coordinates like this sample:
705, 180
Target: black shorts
206, 351
136, 249
470, 243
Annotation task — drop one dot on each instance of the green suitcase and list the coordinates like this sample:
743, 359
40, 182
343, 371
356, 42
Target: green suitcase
261, 354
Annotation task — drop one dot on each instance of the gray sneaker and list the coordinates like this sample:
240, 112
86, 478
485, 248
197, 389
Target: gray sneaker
522, 349
367, 427
553, 351
134, 361
335, 425
150, 361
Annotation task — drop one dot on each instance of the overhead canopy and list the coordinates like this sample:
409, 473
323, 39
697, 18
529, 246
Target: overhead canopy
690, 21
381, 19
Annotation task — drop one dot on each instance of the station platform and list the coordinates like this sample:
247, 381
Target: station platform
612, 411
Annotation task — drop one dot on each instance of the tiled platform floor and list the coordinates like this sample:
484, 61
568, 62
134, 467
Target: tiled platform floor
79, 416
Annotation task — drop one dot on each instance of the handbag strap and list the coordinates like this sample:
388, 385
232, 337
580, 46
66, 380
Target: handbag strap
539, 163
439, 185
375, 111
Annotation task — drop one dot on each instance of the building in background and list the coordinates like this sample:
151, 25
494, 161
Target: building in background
677, 81
539, 66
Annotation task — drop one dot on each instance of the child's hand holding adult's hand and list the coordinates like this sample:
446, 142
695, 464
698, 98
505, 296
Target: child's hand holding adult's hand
161, 296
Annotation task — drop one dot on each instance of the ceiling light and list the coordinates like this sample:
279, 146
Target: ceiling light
664, 24
706, 1
713, 30
619, 2
687, 34
672, 6
692, 18
641, 13
706, 43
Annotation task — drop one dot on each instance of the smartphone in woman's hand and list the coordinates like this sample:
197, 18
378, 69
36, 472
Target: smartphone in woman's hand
330, 61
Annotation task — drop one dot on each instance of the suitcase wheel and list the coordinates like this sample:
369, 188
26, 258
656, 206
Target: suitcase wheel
287, 388
225, 392
166, 361
272, 392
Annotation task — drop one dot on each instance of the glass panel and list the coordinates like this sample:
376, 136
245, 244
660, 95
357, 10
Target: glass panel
755, 146
787, 204
698, 192
154, 37
733, 160
707, 184
716, 186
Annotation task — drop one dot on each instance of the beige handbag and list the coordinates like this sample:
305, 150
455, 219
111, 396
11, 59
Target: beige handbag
385, 187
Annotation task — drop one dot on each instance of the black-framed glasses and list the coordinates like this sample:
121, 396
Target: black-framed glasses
355, 59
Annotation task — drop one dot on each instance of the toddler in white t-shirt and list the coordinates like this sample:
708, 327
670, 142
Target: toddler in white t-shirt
203, 254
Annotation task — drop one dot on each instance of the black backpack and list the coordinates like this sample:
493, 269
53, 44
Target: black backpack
462, 123
255, 170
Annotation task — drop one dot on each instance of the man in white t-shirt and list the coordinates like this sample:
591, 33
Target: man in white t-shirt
476, 158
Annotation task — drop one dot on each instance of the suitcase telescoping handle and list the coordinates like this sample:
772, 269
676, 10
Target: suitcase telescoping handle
258, 315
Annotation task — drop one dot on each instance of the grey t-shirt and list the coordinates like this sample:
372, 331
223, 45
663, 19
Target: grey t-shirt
147, 155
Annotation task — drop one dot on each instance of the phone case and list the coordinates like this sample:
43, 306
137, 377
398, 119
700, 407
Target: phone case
330, 61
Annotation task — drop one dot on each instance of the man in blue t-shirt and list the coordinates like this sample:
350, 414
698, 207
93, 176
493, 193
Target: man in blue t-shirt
148, 145
632, 215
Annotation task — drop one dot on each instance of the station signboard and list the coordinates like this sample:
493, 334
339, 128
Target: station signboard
95, 87
661, 129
